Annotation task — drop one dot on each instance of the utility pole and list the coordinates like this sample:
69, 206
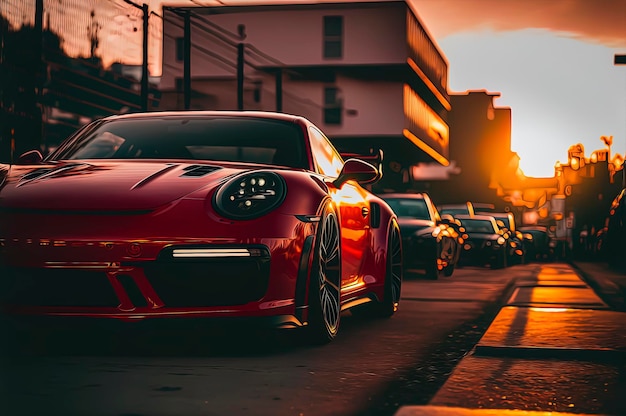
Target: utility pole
279, 90
187, 61
621, 60
240, 75
144, 62
41, 73
240, 64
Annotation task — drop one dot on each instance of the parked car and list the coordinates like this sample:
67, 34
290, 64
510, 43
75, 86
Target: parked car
465, 208
516, 250
429, 242
485, 244
615, 238
197, 214
483, 207
537, 242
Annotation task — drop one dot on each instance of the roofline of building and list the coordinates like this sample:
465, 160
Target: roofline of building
263, 6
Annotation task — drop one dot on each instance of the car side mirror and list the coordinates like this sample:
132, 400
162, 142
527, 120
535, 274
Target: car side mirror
447, 219
374, 157
32, 157
358, 170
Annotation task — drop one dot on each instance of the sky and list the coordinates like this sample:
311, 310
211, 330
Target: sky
550, 60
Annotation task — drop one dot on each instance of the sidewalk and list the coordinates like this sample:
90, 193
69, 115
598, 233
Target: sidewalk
555, 346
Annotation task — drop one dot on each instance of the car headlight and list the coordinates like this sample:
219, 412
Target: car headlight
250, 195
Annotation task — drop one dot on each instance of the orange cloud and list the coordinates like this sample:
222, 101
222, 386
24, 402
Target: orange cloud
598, 21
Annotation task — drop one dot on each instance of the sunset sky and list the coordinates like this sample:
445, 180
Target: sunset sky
551, 60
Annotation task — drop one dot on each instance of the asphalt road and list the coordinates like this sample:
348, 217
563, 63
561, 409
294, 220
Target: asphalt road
372, 368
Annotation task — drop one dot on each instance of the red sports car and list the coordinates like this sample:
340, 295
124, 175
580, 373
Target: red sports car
197, 214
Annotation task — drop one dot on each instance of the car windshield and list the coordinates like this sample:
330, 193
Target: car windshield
479, 226
453, 211
410, 208
235, 139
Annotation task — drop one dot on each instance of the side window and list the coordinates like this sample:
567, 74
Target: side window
333, 37
333, 105
327, 159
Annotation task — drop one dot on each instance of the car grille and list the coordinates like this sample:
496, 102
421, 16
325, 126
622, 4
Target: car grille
218, 282
56, 287
196, 282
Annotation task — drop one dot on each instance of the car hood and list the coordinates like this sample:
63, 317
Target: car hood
108, 185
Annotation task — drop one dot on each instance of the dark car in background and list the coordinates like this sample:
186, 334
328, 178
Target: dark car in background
485, 244
615, 238
516, 250
464, 208
483, 207
429, 242
537, 243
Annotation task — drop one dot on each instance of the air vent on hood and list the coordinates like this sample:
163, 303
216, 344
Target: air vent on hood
43, 173
199, 170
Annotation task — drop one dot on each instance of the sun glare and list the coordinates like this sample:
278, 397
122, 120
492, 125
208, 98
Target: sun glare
541, 77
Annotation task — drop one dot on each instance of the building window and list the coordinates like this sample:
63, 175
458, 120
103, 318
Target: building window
180, 49
333, 105
333, 36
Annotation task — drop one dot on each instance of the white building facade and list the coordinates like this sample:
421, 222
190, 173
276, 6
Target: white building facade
367, 73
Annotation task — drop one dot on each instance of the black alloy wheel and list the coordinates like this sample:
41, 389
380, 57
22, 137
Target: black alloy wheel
433, 269
393, 275
325, 288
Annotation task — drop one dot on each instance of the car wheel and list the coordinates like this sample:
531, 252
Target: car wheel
433, 272
393, 275
325, 285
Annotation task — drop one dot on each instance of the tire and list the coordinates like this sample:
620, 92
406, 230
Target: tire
432, 269
450, 256
325, 281
393, 275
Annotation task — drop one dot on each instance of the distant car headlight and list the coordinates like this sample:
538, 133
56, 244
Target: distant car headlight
250, 195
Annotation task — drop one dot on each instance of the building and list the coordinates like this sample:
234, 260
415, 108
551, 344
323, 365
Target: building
368, 73
480, 148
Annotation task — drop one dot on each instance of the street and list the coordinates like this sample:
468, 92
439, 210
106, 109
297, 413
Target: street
373, 367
